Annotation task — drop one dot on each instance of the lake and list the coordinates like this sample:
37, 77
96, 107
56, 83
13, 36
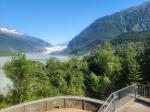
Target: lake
4, 81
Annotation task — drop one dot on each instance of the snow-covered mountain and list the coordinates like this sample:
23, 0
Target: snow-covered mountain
12, 40
11, 31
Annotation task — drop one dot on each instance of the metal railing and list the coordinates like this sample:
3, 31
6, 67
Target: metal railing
143, 92
114, 102
119, 99
122, 97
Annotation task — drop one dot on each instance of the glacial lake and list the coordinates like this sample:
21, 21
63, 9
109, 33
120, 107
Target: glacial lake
4, 81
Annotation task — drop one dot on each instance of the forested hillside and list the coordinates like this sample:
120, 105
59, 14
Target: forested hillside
105, 70
111, 26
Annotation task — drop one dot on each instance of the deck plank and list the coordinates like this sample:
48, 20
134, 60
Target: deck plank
136, 106
68, 110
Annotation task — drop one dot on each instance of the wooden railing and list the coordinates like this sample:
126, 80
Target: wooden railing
47, 104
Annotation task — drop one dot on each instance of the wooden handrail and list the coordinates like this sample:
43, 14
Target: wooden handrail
53, 98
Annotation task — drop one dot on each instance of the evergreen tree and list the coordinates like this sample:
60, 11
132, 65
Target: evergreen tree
145, 63
74, 77
134, 71
106, 65
19, 71
131, 71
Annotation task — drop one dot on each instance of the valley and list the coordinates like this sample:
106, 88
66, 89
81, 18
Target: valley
106, 60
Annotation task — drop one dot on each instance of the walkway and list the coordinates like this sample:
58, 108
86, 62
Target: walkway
136, 106
69, 110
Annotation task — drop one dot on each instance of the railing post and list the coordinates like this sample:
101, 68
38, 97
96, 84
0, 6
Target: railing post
142, 91
24, 108
138, 90
83, 104
135, 90
149, 94
64, 103
46, 106
119, 97
114, 102
114, 106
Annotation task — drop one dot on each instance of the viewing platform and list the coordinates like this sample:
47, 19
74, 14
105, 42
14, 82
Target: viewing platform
136, 106
58, 104
134, 98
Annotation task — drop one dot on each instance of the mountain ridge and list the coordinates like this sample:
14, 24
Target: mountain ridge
11, 40
108, 27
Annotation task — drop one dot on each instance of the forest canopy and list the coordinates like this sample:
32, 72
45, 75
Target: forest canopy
105, 70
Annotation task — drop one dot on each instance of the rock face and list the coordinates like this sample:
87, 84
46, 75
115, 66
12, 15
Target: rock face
108, 27
11, 40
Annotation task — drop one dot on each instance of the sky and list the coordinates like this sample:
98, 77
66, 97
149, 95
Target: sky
57, 21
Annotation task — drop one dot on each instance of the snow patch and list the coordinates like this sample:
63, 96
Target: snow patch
9, 30
56, 48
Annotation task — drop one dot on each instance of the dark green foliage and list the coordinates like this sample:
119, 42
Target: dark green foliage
97, 75
67, 76
145, 63
105, 68
19, 71
29, 79
131, 37
5, 101
131, 65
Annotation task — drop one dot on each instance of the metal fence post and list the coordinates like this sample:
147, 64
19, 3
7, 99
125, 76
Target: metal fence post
135, 90
114, 106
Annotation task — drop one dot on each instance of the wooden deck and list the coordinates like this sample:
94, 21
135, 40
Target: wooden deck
137, 106
68, 110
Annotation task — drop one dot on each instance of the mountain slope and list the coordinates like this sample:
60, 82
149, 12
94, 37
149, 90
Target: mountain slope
109, 27
131, 37
12, 40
